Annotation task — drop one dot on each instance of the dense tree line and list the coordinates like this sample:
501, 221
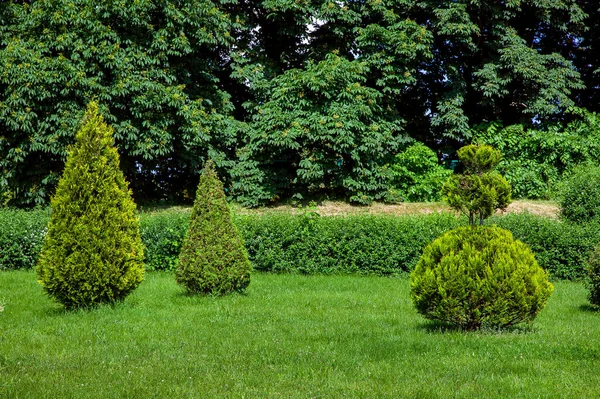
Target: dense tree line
289, 97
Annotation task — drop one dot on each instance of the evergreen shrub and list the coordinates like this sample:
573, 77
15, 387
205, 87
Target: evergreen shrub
92, 252
479, 276
479, 191
579, 199
213, 259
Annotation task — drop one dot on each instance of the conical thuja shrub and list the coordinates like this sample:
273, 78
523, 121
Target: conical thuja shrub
213, 259
92, 252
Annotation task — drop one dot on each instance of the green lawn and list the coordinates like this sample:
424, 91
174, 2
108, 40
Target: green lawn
289, 336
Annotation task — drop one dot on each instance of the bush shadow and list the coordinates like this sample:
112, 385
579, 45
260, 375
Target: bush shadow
438, 327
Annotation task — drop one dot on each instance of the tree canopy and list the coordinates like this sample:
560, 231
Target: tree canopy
249, 83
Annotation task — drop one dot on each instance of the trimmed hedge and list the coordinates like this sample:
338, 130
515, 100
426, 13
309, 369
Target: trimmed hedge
381, 245
561, 248
21, 236
313, 244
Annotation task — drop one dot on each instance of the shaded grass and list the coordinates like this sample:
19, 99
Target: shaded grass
289, 336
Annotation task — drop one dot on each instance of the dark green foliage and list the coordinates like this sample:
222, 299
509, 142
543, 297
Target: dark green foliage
579, 198
306, 140
417, 175
151, 64
213, 259
162, 233
479, 276
536, 161
21, 237
349, 244
380, 245
479, 191
593, 281
92, 252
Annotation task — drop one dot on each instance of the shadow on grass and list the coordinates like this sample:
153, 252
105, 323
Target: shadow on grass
589, 308
438, 327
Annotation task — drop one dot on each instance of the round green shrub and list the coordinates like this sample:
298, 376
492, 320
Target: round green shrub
213, 259
417, 175
580, 195
593, 281
479, 276
92, 252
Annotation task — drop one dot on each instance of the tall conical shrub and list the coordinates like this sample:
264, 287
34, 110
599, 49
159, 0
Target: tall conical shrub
213, 259
92, 252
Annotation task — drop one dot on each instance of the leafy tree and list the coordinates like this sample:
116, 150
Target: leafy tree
307, 140
151, 64
213, 259
479, 191
92, 252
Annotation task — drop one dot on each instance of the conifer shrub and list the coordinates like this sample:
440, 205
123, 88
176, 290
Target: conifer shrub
92, 252
213, 259
479, 191
479, 276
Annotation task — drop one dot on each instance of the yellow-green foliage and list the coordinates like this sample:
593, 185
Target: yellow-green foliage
479, 191
93, 252
213, 259
475, 276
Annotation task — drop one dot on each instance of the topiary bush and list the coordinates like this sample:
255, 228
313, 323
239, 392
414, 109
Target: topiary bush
213, 259
579, 199
479, 191
479, 276
92, 252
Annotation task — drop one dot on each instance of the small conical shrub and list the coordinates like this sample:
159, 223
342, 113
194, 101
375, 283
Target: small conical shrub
479, 276
92, 252
213, 259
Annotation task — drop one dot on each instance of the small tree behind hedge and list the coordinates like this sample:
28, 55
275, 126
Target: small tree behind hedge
92, 252
479, 191
213, 259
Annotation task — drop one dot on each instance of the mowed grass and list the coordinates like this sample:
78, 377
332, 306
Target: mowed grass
290, 336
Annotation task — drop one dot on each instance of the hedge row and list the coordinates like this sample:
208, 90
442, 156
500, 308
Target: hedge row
309, 243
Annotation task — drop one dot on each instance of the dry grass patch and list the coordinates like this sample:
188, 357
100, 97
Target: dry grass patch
339, 208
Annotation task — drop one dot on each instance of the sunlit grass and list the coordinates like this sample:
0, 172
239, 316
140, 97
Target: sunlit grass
289, 336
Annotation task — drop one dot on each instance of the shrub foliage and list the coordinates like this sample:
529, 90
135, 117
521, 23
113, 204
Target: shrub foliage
479, 276
580, 196
92, 252
479, 191
593, 282
417, 175
213, 259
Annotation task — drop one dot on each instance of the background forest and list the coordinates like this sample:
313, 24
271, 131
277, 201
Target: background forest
358, 100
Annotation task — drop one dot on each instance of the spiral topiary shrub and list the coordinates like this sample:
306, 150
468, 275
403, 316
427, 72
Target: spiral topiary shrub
579, 199
92, 252
213, 259
479, 191
474, 277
